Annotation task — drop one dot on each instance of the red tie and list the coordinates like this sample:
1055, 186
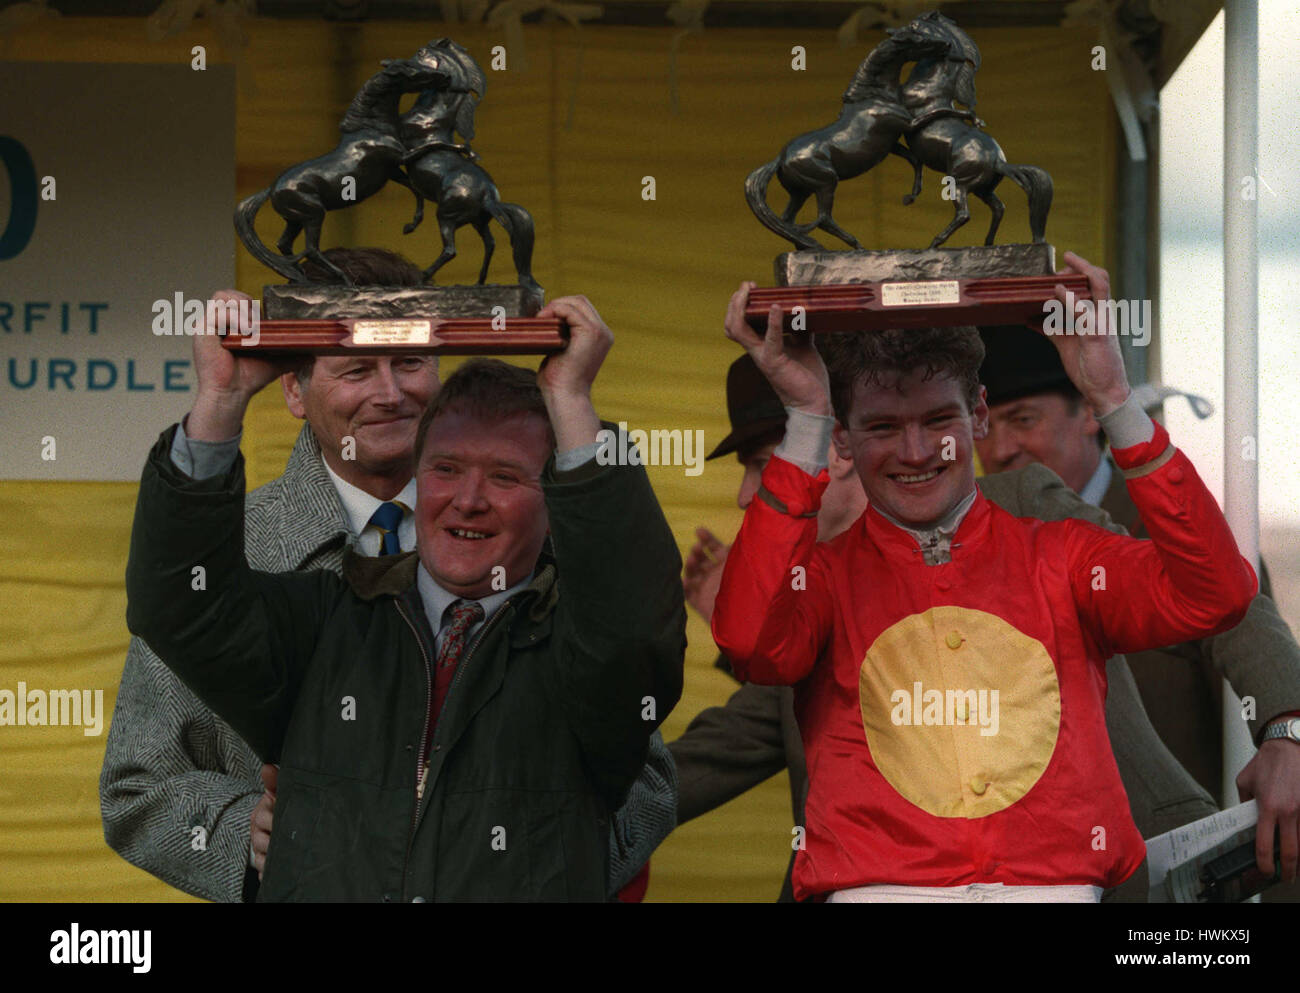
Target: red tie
464, 615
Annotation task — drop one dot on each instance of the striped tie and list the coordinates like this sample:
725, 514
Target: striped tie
464, 615
387, 518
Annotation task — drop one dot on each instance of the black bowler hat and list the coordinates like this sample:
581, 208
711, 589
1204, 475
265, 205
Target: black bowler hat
752, 407
1019, 362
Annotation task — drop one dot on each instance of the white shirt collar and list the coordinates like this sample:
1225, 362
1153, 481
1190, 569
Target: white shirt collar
359, 505
436, 600
1094, 490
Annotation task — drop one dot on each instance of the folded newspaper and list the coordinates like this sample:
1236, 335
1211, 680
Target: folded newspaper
1182, 863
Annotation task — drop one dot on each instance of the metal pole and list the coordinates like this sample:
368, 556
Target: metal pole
1240, 325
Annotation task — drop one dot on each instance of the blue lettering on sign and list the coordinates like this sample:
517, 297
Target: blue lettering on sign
13, 375
94, 364
94, 309
173, 373
131, 384
97, 375
63, 369
31, 315
23, 197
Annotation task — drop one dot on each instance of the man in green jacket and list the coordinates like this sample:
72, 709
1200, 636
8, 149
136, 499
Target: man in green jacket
448, 725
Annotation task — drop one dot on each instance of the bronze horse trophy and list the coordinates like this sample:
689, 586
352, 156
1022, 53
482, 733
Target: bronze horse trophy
868, 129
446, 172
367, 156
918, 121
949, 140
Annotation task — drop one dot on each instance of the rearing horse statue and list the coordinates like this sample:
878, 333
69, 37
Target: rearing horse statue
949, 140
367, 156
868, 129
445, 172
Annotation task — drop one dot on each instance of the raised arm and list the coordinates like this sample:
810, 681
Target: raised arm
773, 611
1190, 580
239, 638
621, 616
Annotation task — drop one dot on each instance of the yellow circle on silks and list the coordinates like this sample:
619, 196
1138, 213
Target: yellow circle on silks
998, 710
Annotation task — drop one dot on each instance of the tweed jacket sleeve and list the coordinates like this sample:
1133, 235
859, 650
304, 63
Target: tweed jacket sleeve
178, 785
727, 750
241, 639
1260, 660
647, 816
170, 764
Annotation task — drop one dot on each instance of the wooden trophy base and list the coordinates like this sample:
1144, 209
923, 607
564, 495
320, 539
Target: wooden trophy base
912, 304
933, 287
385, 320
436, 336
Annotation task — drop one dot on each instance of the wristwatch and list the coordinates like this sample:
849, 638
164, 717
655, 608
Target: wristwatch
1288, 728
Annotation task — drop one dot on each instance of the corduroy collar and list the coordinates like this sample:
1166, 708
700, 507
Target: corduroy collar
373, 576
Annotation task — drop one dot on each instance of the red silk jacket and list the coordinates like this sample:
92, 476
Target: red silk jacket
954, 715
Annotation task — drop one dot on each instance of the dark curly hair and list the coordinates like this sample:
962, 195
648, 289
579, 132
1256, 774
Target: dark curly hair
884, 358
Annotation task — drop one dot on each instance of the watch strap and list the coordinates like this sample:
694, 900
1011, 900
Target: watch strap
1288, 728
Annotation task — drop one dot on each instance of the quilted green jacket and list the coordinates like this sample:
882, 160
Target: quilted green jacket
544, 728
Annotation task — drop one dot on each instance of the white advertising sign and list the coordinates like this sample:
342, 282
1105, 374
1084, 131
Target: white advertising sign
117, 188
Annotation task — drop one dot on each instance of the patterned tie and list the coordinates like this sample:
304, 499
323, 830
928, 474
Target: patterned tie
388, 517
464, 615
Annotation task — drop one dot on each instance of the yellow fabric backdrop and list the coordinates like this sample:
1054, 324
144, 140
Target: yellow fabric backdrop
659, 271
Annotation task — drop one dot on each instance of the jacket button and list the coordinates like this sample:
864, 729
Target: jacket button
943, 584
1175, 475
419, 899
990, 867
978, 785
953, 640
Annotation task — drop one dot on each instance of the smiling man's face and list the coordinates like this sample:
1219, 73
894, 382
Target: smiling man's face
374, 400
900, 439
1061, 433
479, 500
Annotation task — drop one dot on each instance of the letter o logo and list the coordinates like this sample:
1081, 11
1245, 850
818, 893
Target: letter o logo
23, 197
